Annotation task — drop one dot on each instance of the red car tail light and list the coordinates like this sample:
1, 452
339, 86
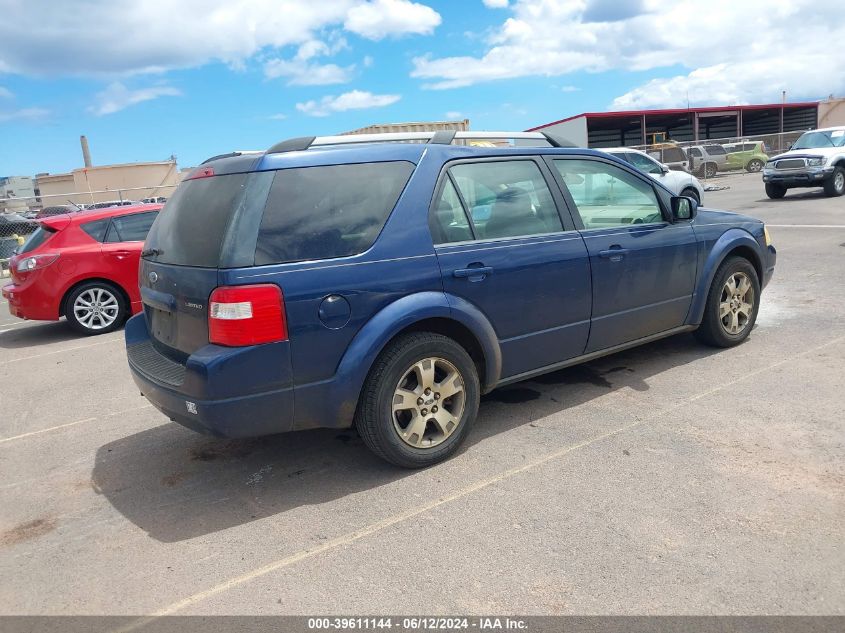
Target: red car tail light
34, 262
247, 315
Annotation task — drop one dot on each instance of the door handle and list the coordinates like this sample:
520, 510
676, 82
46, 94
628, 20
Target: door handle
474, 273
614, 253
121, 254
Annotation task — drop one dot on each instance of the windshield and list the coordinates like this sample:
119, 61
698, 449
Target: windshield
816, 139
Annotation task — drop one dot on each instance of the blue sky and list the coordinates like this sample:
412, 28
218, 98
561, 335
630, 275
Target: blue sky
146, 79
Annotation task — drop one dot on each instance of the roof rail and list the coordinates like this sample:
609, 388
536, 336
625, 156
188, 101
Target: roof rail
441, 137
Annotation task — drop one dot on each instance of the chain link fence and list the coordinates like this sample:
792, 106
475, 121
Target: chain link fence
710, 158
19, 217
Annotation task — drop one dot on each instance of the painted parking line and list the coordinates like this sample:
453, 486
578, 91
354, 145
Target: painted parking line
60, 351
352, 537
69, 424
808, 226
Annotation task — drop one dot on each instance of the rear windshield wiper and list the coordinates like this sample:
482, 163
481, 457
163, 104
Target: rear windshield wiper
151, 251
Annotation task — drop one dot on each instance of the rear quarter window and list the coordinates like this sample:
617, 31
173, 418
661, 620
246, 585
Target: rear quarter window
328, 211
96, 229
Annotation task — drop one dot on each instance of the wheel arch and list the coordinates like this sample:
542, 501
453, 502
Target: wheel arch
123, 293
734, 242
423, 311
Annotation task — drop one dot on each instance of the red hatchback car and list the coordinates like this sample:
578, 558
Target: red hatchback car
82, 266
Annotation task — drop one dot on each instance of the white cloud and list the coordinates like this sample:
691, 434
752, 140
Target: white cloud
278, 117
378, 19
302, 71
496, 4
757, 47
24, 114
454, 115
353, 100
5, 93
569, 89
118, 37
117, 97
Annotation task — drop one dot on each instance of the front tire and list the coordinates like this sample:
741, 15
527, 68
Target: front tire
732, 304
774, 191
419, 401
692, 193
95, 307
754, 165
835, 185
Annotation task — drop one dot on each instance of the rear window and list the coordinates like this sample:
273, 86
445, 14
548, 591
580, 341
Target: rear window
36, 239
190, 229
328, 211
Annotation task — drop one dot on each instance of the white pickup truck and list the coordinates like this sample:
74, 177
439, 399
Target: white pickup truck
817, 159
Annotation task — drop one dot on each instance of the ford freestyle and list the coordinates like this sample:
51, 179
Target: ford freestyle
340, 281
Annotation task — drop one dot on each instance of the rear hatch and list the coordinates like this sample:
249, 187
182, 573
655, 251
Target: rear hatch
210, 222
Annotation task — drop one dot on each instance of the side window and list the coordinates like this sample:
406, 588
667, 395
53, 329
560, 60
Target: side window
449, 221
131, 228
645, 164
716, 150
96, 229
608, 196
328, 211
695, 152
507, 198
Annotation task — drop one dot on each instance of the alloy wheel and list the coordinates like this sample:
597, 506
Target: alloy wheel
736, 303
96, 308
839, 182
428, 403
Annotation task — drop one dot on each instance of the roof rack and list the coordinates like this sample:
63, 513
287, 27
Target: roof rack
441, 137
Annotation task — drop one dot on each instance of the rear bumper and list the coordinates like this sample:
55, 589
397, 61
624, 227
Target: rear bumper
28, 302
220, 391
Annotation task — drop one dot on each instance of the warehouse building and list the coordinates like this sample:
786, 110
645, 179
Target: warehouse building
647, 127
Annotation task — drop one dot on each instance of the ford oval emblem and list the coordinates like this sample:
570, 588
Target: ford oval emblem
153, 277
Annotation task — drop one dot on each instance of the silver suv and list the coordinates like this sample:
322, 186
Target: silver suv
707, 160
817, 159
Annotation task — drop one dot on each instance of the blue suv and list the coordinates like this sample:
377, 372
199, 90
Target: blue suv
339, 281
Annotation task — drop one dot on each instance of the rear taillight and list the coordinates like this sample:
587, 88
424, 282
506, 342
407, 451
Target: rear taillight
34, 262
246, 315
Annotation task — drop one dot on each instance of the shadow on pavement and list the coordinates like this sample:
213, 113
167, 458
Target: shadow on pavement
37, 333
175, 484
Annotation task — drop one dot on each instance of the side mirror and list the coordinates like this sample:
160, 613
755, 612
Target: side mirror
683, 208
664, 168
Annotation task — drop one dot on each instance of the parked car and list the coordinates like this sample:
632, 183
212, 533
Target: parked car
82, 266
60, 209
707, 160
672, 155
817, 159
678, 182
112, 203
154, 200
749, 155
359, 281
15, 224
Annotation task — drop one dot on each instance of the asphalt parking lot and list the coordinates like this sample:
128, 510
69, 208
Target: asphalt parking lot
670, 479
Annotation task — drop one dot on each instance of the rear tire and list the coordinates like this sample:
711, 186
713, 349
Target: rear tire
692, 193
754, 165
95, 307
708, 170
404, 414
775, 192
732, 304
835, 185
